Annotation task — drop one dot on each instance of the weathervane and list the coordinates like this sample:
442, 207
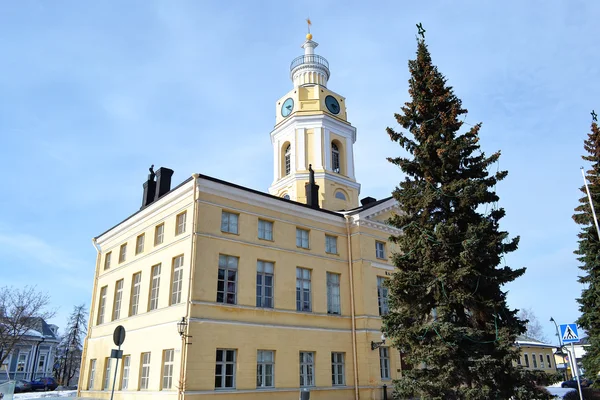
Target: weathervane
421, 30
594, 116
308, 23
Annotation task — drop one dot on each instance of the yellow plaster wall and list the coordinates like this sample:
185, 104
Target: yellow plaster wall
544, 351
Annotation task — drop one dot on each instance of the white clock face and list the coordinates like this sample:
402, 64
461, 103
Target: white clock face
287, 107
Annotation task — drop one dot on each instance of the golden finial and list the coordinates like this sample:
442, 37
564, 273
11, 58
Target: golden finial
308, 35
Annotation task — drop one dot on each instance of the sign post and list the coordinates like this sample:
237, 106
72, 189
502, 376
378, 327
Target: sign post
569, 334
118, 338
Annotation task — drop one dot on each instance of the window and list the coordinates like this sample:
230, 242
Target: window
123, 253
229, 222
225, 369
265, 230
6, 363
139, 244
107, 260
303, 289
331, 244
340, 195
302, 238
265, 366
22, 361
106, 383
180, 223
118, 298
380, 250
102, 305
227, 279
92, 374
145, 371
167, 377
384, 362
125, 372
159, 234
136, 283
288, 163
337, 369
542, 361
548, 359
333, 293
519, 360
534, 360
177, 278
526, 360
382, 296
307, 366
335, 158
264, 284
154, 287
41, 367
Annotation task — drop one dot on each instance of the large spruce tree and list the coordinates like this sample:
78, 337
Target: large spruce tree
589, 253
449, 316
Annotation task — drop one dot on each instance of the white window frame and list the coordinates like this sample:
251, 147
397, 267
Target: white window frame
126, 366
145, 370
92, 375
302, 238
265, 230
154, 288
227, 264
223, 363
288, 160
123, 253
167, 373
42, 360
384, 363
230, 222
6, 363
265, 271
303, 289
139, 243
265, 368
23, 363
526, 358
333, 294
159, 234
534, 361
106, 382
338, 369
307, 368
382, 296
102, 305
116, 314
177, 280
335, 158
542, 361
107, 260
180, 222
331, 244
136, 287
549, 361
380, 250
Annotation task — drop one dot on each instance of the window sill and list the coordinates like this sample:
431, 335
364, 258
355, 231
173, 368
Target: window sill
304, 248
379, 258
333, 254
266, 240
231, 233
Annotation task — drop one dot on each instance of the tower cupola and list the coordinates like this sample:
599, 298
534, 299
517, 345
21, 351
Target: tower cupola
310, 68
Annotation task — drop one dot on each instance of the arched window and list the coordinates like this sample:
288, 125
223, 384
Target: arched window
288, 164
340, 195
335, 158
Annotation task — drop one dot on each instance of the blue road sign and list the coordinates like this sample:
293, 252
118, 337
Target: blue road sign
569, 333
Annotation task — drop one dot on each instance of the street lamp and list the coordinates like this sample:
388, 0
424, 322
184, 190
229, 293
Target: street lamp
376, 345
181, 327
557, 332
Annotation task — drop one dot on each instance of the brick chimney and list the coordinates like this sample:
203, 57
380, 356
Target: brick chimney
312, 189
149, 188
163, 182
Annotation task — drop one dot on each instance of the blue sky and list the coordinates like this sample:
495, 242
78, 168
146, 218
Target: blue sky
91, 94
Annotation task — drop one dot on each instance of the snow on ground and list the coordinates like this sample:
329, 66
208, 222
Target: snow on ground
558, 391
46, 395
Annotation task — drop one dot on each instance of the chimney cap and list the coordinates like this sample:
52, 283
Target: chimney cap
367, 200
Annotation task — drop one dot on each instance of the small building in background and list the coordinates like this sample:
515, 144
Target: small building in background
34, 356
536, 355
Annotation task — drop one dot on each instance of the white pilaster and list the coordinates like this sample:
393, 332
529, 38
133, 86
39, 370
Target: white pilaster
327, 149
276, 160
301, 148
318, 148
349, 158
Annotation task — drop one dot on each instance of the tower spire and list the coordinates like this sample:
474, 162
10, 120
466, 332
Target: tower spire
310, 68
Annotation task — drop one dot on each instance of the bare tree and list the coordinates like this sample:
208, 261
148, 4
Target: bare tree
532, 324
71, 346
20, 312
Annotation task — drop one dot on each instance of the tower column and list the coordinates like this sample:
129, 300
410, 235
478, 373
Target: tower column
318, 148
349, 158
301, 150
327, 149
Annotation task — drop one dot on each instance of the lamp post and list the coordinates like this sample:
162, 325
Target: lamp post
557, 332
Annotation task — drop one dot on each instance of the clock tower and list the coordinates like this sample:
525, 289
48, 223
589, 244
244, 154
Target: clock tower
312, 129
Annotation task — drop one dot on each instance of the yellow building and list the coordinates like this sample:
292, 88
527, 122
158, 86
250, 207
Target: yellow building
278, 291
536, 355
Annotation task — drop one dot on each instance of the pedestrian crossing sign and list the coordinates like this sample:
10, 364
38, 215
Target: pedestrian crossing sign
569, 334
